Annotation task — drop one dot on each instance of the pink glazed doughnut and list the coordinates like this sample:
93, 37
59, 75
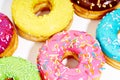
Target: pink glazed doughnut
82, 46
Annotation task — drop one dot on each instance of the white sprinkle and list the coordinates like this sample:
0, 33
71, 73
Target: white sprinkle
45, 77
78, 2
0, 20
41, 67
81, 79
107, 2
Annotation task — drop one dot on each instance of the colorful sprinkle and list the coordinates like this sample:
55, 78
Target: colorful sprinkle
75, 42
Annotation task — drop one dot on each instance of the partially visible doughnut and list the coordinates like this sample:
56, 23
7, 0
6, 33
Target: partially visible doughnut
15, 68
8, 36
94, 9
40, 28
107, 34
80, 45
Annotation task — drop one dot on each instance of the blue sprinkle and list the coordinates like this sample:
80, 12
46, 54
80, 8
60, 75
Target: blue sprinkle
96, 45
44, 67
60, 77
46, 62
102, 68
93, 54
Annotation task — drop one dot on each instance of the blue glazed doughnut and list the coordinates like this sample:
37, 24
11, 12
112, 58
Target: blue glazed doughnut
107, 35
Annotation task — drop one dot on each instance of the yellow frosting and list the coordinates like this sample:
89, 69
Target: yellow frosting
60, 15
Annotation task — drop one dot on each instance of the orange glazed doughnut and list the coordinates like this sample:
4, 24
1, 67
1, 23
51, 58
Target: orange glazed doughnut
8, 36
94, 9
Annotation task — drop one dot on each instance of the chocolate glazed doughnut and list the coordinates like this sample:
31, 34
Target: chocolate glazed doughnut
94, 9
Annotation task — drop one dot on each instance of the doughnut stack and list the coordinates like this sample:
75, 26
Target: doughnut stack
48, 21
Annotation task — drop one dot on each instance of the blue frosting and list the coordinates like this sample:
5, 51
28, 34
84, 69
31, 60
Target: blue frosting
107, 34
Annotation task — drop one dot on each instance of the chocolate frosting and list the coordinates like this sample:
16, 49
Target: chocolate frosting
96, 5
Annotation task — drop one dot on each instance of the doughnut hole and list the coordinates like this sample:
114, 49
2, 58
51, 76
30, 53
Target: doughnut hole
70, 59
118, 35
41, 9
9, 79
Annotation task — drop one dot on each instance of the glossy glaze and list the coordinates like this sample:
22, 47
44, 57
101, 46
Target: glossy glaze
96, 5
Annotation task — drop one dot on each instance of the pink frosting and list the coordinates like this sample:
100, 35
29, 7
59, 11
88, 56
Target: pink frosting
6, 32
84, 45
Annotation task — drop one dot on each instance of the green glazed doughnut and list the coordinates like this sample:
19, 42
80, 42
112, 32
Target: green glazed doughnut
14, 68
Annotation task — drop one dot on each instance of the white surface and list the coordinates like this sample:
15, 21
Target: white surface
28, 49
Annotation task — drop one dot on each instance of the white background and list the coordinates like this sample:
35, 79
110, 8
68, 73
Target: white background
29, 50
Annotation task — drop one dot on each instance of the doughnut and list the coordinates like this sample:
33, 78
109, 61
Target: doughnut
77, 44
16, 68
107, 33
33, 26
8, 36
94, 9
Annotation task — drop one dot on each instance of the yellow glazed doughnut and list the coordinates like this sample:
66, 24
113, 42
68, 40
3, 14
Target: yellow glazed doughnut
39, 28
